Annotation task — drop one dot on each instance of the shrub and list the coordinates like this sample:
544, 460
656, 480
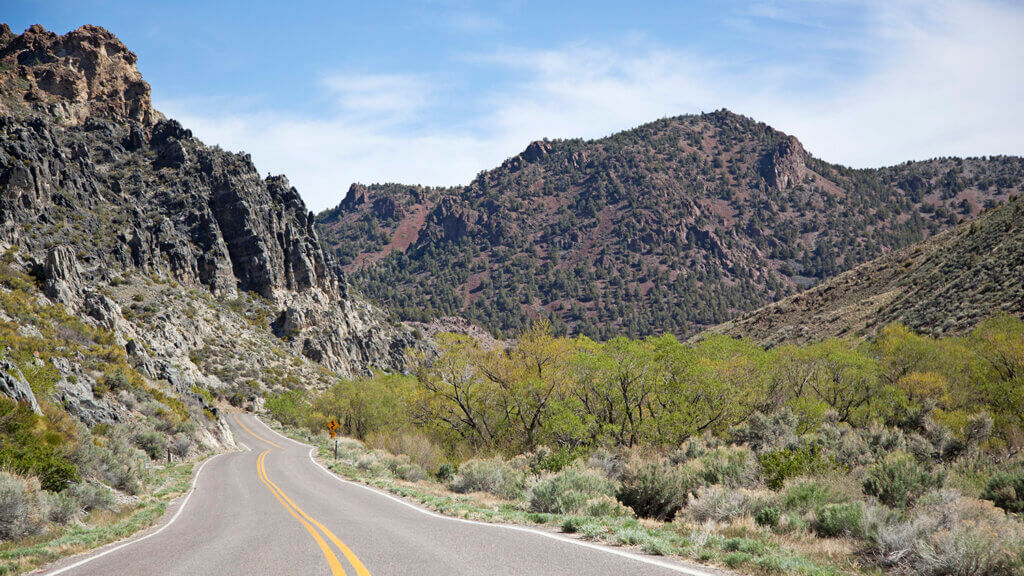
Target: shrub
763, 432
631, 535
31, 446
573, 524
948, 535
732, 467
834, 520
61, 507
808, 494
780, 465
492, 475
1006, 490
93, 496
609, 463
418, 447
17, 506
568, 491
717, 504
56, 474
656, 489
446, 472
180, 445
768, 516
607, 506
410, 472
127, 478
152, 442
899, 480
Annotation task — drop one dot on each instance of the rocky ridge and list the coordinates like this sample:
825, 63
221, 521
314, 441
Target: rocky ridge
942, 286
200, 269
674, 226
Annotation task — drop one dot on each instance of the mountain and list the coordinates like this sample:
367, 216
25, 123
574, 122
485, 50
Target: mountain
137, 258
944, 285
676, 225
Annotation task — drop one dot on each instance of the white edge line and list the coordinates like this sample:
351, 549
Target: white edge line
591, 545
147, 536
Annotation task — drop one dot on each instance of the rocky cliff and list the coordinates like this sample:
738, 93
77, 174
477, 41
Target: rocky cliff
200, 269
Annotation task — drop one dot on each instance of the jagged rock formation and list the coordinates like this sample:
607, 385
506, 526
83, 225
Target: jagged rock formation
674, 226
86, 163
145, 264
83, 74
944, 285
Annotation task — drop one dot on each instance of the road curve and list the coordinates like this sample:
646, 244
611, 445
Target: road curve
272, 510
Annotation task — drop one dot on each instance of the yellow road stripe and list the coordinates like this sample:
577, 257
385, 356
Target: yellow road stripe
360, 568
332, 560
258, 437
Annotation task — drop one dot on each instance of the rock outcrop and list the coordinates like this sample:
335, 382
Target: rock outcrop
14, 386
85, 73
88, 166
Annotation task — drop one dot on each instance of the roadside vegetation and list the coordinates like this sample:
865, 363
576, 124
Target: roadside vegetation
896, 456
66, 487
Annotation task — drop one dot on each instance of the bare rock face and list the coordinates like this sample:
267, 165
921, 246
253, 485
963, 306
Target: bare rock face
87, 166
63, 278
14, 386
786, 165
87, 72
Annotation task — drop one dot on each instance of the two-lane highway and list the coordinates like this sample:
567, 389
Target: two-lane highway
272, 510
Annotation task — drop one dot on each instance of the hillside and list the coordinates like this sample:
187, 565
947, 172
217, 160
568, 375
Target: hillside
944, 285
146, 278
679, 224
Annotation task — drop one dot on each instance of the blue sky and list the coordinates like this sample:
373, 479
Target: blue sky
432, 92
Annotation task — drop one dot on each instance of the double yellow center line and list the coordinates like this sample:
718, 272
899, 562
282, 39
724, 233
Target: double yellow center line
305, 519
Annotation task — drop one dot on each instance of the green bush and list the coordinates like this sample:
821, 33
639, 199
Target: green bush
768, 516
446, 472
656, 489
807, 494
1006, 490
834, 520
780, 465
493, 475
573, 524
152, 442
29, 446
290, 408
568, 491
899, 480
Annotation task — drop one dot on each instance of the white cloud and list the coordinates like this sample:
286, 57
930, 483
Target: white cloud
938, 79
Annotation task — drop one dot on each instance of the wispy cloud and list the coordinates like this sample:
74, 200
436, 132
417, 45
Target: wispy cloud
381, 97
936, 79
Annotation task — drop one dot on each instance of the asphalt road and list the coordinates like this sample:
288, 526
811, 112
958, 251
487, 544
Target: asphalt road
272, 510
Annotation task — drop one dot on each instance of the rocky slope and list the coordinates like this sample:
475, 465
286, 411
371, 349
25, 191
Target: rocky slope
944, 285
117, 224
673, 226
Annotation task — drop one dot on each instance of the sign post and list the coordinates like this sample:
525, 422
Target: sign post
332, 426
